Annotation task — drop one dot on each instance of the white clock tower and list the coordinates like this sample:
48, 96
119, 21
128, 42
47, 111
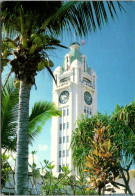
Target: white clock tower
75, 94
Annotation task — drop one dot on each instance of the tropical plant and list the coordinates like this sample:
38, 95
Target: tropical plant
5, 169
9, 107
80, 142
102, 161
65, 184
126, 114
123, 138
41, 112
33, 24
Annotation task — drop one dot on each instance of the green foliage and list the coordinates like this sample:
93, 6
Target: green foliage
123, 136
58, 16
121, 133
102, 161
65, 184
5, 169
5, 53
40, 114
80, 142
126, 114
9, 107
123, 129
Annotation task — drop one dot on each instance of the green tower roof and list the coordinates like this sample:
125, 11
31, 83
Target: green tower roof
74, 53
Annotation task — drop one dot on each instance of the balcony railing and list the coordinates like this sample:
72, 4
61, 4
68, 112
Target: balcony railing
88, 84
64, 83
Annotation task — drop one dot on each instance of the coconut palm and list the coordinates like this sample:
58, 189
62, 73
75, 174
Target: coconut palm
34, 23
9, 105
40, 114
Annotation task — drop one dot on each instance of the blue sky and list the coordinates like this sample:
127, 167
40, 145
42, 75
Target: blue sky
111, 53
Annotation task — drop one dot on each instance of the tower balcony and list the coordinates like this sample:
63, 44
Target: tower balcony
89, 85
63, 85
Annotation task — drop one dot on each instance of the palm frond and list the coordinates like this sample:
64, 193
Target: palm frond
41, 112
83, 16
9, 107
56, 17
51, 73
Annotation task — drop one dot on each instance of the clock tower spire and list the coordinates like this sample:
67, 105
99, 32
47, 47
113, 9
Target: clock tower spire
75, 94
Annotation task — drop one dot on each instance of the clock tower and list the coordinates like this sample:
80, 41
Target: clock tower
75, 94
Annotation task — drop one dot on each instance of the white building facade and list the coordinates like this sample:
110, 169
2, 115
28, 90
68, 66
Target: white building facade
75, 94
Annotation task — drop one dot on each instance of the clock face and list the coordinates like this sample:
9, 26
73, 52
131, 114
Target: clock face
64, 96
88, 98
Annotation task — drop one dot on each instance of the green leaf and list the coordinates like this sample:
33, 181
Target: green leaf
41, 112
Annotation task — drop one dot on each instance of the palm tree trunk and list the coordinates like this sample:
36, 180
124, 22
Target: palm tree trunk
21, 179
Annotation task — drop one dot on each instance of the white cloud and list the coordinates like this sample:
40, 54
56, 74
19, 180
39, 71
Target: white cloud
42, 147
31, 159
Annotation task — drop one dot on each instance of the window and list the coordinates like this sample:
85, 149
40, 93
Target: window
87, 81
67, 125
60, 140
94, 82
67, 138
64, 113
60, 127
64, 125
67, 112
63, 139
59, 154
59, 168
64, 80
90, 111
63, 153
67, 154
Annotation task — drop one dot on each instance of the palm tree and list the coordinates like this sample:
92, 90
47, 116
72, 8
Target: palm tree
126, 114
40, 114
9, 105
30, 46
